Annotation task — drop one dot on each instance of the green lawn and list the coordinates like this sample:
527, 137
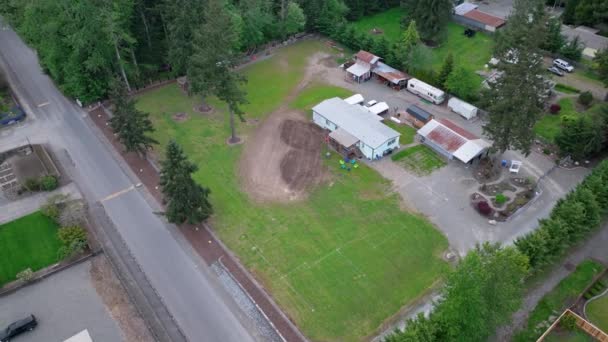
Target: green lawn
597, 312
561, 335
472, 53
407, 132
549, 125
316, 93
30, 241
340, 262
419, 159
556, 301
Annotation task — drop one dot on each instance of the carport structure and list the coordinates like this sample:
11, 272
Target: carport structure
452, 141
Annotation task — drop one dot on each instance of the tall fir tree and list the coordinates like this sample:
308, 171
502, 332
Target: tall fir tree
432, 17
515, 99
211, 66
131, 125
446, 70
185, 199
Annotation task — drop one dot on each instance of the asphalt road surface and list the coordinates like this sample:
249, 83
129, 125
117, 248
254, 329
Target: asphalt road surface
201, 309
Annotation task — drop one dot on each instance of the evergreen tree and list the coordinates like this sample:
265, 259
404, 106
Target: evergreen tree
446, 70
581, 138
601, 65
210, 69
555, 39
130, 124
409, 41
573, 50
182, 18
568, 16
432, 17
185, 199
515, 100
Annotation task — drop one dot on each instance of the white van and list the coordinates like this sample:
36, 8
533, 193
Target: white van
426, 91
562, 64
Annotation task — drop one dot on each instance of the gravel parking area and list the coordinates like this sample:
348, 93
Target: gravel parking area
67, 303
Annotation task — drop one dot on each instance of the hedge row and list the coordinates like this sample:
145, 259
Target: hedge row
572, 218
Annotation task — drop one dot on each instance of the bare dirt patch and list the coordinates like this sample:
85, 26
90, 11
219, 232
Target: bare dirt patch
115, 298
302, 135
180, 117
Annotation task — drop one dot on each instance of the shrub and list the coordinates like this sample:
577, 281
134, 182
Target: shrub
26, 275
53, 206
585, 98
568, 322
48, 183
73, 240
500, 198
555, 108
32, 184
484, 208
72, 214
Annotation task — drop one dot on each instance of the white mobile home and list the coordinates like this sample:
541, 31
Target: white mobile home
354, 126
466, 110
426, 91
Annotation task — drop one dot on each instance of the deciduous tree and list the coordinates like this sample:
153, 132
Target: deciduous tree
601, 65
463, 83
185, 199
295, 20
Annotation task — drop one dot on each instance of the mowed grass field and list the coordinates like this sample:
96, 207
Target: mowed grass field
30, 241
339, 263
471, 53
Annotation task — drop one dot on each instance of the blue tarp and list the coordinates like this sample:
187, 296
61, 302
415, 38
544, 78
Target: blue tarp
16, 114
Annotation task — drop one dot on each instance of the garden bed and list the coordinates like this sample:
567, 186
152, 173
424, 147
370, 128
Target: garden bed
506, 197
419, 159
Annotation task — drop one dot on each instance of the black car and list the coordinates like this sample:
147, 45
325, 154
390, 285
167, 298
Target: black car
18, 327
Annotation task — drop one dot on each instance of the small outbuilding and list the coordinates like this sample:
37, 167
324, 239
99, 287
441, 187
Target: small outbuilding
452, 141
379, 108
362, 69
417, 116
467, 14
466, 110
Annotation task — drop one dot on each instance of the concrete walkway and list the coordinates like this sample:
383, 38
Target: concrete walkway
16, 209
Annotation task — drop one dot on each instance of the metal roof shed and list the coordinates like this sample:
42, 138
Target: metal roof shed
419, 113
465, 109
355, 99
464, 8
378, 108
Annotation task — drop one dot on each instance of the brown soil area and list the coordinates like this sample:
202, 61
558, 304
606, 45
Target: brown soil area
283, 158
115, 298
180, 117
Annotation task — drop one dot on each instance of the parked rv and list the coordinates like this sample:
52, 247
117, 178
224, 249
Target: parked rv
466, 110
426, 91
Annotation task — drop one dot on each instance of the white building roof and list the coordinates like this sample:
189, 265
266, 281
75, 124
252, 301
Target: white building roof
358, 69
355, 99
343, 137
459, 142
356, 120
464, 7
378, 108
82, 336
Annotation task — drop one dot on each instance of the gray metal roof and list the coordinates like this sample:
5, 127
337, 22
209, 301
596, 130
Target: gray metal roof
419, 113
356, 121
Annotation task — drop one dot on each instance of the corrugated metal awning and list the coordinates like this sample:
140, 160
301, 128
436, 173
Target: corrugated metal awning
358, 69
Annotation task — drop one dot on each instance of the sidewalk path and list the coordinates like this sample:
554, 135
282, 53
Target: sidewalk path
202, 238
15, 209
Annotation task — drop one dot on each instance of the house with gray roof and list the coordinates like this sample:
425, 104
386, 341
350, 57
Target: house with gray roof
353, 127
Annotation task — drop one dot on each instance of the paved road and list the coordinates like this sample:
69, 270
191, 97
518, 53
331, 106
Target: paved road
65, 304
199, 307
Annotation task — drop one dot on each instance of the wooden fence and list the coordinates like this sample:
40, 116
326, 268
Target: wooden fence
582, 323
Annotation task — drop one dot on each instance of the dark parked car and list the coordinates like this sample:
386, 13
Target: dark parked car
18, 327
556, 71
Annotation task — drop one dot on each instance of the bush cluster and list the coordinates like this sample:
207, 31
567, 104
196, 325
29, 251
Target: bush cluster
73, 241
44, 183
572, 218
70, 216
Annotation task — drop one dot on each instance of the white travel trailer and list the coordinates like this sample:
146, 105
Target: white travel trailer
426, 91
466, 110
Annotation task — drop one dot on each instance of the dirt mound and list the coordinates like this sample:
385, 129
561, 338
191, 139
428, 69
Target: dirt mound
180, 117
301, 135
283, 159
